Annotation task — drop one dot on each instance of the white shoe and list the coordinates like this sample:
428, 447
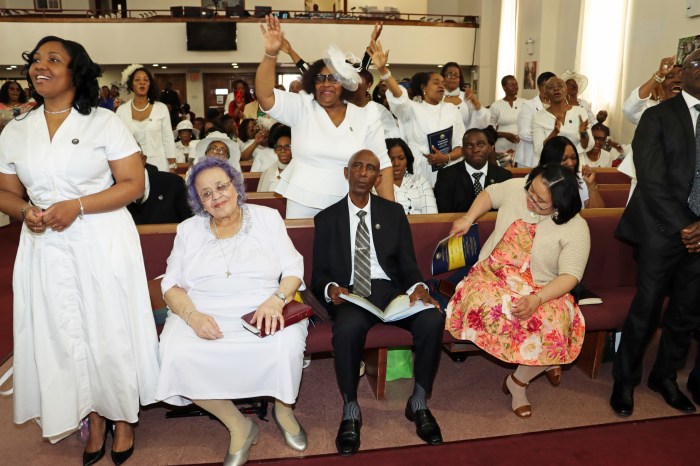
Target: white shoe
307, 362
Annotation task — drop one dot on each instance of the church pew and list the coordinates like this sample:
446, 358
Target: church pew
245, 165
602, 175
272, 200
610, 273
251, 180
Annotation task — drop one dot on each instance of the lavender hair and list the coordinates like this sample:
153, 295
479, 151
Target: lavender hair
205, 164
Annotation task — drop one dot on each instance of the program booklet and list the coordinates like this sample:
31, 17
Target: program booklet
399, 307
442, 141
455, 252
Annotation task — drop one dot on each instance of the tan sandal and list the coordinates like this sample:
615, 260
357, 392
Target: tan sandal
523, 411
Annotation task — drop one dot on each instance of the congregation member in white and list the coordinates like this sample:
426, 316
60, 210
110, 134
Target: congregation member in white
526, 156
504, 117
85, 342
231, 258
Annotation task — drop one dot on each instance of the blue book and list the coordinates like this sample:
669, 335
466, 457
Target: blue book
442, 141
455, 252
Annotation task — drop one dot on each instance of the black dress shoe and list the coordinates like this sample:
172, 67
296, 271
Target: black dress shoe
119, 457
672, 394
622, 399
90, 458
427, 427
348, 439
694, 388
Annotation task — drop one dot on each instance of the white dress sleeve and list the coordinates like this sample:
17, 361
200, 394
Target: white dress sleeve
400, 106
540, 130
634, 106
291, 262
174, 270
525, 118
166, 130
120, 141
288, 107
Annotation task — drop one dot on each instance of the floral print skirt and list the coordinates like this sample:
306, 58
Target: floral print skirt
480, 310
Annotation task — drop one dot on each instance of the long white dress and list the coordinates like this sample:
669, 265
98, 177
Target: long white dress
84, 335
504, 118
239, 365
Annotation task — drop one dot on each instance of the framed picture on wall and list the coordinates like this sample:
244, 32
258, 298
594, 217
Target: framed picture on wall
686, 46
530, 75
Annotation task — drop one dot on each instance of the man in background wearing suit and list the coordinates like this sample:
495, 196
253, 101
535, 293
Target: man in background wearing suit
363, 244
458, 185
164, 200
663, 220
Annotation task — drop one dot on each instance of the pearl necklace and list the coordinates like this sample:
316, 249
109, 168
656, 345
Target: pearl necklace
58, 112
139, 109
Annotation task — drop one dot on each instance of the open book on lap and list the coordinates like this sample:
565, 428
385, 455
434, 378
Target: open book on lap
399, 308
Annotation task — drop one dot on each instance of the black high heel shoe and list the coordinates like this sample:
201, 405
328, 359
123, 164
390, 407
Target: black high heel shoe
90, 458
119, 457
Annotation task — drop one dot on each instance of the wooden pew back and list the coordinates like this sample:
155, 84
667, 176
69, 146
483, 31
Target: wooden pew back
602, 175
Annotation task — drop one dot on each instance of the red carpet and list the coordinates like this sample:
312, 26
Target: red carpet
9, 239
667, 441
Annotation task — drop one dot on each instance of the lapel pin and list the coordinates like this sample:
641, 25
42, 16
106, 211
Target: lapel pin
160, 197
75, 142
377, 227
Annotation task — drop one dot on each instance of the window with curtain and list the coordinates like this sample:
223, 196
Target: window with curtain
47, 5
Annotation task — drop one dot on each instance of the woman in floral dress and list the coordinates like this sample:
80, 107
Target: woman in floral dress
515, 302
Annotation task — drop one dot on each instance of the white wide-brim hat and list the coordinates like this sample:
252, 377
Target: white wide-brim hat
580, 79
185, 125
202, 145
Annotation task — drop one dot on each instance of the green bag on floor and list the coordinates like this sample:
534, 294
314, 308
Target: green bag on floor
399, 363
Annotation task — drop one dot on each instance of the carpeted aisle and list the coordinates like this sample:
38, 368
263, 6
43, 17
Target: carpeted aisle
668, 441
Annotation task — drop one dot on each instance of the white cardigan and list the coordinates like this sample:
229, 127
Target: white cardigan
156, 140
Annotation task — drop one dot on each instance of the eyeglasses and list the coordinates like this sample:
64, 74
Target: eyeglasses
331, 78
693, 65
286, 147
452, 75
601, 138
218, 151
220, 188
532, 198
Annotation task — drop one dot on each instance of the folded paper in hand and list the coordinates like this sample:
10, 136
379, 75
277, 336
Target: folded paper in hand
399, 307
293, 312
455, 252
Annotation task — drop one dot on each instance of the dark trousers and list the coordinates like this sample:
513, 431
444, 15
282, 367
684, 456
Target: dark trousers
351, 324
664, 268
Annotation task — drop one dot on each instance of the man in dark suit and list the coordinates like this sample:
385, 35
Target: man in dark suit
363, 244
458, 185
662, 219
165, 200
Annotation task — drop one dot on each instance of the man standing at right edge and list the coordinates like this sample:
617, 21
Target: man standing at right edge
663, 220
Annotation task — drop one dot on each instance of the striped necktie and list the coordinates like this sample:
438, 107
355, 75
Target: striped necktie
363, 271
694, 198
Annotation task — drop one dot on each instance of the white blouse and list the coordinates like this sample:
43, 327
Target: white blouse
543, 125
314, 177
504, 118
415, 195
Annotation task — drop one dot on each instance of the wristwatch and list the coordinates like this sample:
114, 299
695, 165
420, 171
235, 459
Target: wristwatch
281, 296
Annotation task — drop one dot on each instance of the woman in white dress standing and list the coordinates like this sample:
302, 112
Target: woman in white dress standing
84, 336
231, 258
148, 119
419, 118
504, 117
460, 93
326, 128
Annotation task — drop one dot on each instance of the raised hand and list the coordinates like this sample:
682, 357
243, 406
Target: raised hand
379, 57
273, 37
666, 65
582, 124
377, 31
